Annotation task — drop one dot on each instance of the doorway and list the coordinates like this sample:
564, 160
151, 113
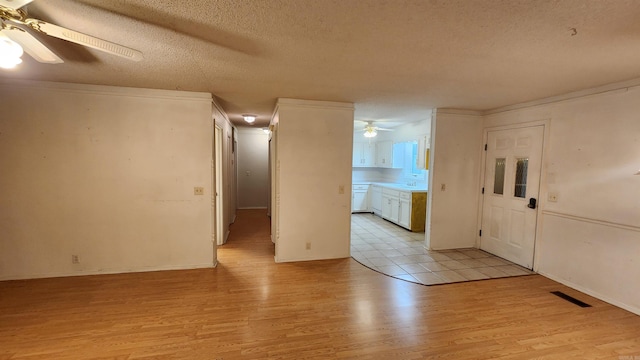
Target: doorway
511, 187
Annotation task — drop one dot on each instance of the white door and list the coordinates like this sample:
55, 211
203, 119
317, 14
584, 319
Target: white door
511, 187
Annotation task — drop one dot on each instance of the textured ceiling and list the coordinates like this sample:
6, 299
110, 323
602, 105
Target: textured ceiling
395, 59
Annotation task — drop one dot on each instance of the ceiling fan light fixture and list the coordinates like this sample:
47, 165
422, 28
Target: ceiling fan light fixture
370, 132
10, 53
249, 118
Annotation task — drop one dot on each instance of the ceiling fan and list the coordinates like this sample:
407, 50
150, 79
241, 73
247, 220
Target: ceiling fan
370, 130
15, 26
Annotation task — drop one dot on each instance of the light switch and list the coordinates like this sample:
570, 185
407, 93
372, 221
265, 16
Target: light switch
341, 189
248, 173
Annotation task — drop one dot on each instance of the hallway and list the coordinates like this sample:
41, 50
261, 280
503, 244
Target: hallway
250, 307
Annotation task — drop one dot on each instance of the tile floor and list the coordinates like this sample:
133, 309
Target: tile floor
394, 251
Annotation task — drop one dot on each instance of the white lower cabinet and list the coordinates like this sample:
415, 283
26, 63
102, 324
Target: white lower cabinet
376, 199
390, 204
396, 207
360, 198
404, 216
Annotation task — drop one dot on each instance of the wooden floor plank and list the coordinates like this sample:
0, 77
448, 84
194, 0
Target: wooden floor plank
252, 308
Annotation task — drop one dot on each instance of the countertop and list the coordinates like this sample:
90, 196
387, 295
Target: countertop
395, 186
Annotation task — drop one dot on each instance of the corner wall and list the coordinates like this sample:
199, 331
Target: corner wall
314, 147
454, 175
104, 173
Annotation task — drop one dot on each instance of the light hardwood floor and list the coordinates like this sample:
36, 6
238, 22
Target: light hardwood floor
251, 308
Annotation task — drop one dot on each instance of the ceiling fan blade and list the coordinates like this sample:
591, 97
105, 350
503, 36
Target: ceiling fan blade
381, 129
14, 4
31, 45
83, 39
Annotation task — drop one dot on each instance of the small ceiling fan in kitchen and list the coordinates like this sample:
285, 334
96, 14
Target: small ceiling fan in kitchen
16, 37
371, 130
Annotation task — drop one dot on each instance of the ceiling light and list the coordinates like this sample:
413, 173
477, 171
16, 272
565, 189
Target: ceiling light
370, 132
10, 53
266, 130
249, 118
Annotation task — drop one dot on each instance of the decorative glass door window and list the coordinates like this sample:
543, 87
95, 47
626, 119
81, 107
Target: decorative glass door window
520, 189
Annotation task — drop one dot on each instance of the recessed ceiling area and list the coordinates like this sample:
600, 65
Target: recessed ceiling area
395, 60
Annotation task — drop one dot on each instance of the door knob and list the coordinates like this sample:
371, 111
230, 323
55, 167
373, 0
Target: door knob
532, 203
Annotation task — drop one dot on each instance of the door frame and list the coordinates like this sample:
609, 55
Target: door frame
218, 189
542, 191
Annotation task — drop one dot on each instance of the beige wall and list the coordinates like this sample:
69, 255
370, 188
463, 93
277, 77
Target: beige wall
314, 152
590, 238
456, 143
104, 173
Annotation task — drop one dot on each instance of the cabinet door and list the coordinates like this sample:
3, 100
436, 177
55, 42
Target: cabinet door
368, 154
376, 200
386, 207
384, 154
423, 152
359, 201
404, 217
395, 209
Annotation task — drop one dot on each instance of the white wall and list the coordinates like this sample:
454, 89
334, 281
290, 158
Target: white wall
253, 168
456, 149
104, 173
590, 238
314, 155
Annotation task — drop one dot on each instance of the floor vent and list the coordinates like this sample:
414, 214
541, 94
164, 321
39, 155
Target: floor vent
570, 299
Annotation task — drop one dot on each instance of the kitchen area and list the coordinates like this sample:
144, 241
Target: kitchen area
388, 211
390, 173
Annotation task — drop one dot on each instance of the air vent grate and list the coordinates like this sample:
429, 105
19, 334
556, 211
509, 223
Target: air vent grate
570, 299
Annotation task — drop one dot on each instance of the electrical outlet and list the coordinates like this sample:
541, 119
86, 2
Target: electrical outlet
75, 259
341, 189
198, 190
443, 187
552, 197
308, 245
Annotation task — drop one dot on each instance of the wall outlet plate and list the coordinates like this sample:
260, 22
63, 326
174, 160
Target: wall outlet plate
198, 190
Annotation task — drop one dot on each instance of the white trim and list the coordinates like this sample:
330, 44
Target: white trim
314, 104
592, 220
623, 86
310, 259
109, 271
106, 90
253, 208
597, 295
452, 111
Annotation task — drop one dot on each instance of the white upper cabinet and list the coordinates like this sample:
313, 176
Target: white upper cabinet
423, 152
384, 154
364, 154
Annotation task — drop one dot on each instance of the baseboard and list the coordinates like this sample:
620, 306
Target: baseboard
108, 272
595, 294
